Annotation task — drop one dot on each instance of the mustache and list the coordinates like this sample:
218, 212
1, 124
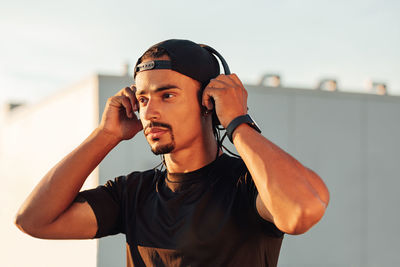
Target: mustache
157, 124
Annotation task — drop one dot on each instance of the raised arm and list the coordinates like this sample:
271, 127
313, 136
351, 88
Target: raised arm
290, 195
52, 210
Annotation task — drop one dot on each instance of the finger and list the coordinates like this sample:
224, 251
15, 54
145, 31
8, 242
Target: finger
236, 79
126, 103
127, 92
132, 98
218, 84
230, 79
206, 99
133, 88
211, 92
120, 102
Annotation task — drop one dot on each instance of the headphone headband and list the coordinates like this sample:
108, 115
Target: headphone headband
221, 58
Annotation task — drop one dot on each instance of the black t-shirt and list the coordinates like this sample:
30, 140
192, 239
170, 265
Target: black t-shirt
207, 217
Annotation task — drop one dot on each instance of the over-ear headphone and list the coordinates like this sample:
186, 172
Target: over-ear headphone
201, 54
227, 71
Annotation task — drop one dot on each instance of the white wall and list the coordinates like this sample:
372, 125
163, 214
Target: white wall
352, 142
32, 140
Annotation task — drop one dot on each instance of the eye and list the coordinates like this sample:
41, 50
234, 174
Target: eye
142, 100
167, 95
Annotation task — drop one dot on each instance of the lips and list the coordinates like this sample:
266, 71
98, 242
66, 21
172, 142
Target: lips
155, 132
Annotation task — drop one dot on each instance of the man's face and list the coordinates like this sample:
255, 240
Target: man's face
169, 109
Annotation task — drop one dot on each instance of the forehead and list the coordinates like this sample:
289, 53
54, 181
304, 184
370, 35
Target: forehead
151, 80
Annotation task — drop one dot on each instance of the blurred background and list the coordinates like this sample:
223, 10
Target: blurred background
47, 45
323, 81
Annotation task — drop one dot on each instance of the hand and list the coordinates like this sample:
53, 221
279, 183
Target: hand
230, 98
119, 119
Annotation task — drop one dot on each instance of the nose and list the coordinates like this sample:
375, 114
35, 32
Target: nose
150, 111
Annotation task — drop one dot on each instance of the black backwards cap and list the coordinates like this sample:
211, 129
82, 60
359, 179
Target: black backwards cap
187, 58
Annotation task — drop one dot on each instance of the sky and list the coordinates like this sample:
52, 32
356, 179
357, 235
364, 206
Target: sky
46, 46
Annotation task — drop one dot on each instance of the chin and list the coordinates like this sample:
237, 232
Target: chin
162, 145
158, 147
163, 149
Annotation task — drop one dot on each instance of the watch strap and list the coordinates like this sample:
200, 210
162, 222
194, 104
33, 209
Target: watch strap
238, 121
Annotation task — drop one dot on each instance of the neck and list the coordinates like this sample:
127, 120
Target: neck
192, 158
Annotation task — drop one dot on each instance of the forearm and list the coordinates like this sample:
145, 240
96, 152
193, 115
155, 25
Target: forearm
294, 195
58, 188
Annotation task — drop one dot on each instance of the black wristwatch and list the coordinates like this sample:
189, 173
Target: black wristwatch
238, 121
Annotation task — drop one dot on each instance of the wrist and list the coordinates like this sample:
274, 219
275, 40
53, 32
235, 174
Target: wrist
239, 120
106, 137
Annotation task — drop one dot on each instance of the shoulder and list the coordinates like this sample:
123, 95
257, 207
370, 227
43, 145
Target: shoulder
141, 180
133, 179
139, 175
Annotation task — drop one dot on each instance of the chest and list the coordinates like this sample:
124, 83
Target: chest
208, 216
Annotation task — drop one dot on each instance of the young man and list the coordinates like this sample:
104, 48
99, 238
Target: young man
207, 208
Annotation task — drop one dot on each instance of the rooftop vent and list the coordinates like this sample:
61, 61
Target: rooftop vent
125, 69
378, 88
271, 80
327, 85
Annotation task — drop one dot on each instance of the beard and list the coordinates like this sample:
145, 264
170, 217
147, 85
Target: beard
165, 148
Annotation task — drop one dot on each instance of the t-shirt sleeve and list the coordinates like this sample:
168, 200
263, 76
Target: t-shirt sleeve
250, 190
106, 202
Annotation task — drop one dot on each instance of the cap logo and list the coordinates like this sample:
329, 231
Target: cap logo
154, 64
145, 66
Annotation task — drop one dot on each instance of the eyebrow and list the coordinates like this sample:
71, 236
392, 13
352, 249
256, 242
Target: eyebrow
159, 89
